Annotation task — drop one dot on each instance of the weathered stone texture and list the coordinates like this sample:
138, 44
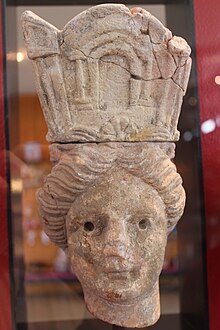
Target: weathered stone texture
111, 207
114, 76
107, 64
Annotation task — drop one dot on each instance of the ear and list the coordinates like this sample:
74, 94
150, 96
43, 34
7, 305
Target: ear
41, 38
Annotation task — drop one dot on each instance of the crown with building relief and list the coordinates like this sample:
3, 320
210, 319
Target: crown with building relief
111, 74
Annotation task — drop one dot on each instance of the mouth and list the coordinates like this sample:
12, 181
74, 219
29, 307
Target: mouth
124, 274
121, 274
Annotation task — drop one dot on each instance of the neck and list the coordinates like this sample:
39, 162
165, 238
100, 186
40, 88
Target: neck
144, 312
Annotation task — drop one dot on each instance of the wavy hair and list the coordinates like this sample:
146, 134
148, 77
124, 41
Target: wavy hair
80, 166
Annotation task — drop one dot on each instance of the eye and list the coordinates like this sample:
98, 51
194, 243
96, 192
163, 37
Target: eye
89, 226
143, 224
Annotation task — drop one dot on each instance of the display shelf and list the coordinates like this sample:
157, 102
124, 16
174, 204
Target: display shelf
165, 322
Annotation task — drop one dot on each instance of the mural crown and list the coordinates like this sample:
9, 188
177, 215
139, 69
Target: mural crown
111, 74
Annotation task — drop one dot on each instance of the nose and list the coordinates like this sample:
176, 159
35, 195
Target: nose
116, 240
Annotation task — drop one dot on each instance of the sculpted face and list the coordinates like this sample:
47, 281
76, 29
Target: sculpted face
116, 234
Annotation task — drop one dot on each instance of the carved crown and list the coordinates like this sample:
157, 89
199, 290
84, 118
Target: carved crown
112, 74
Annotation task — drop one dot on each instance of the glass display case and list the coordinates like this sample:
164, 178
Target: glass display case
37, 287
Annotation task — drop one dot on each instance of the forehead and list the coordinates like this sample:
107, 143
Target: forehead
120, 191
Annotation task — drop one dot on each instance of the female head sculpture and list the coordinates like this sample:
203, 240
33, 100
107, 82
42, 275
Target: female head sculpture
111, 85
111, 208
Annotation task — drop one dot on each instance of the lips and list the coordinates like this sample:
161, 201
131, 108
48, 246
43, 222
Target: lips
118, 274
117, 268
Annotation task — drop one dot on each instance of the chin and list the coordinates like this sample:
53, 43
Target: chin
117, 295
118, 290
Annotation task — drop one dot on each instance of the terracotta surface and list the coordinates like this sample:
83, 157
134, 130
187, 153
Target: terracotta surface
111, 206
107, 70
112, 74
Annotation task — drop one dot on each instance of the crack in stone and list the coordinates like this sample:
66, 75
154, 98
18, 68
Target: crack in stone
172, 75
157, 63
177, 84
141, 28
133, 76
110, 142
178, 66
60, 38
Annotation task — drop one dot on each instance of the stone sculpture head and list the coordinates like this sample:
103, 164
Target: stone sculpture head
112, 80
111, 208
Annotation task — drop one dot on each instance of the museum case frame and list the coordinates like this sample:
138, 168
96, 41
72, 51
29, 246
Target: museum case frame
199, 271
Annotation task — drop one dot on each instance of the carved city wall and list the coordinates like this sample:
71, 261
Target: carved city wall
117, 75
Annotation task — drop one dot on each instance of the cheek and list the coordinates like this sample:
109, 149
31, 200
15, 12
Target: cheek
81, 261
152, 256
83, 247
151, 250
79, 248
